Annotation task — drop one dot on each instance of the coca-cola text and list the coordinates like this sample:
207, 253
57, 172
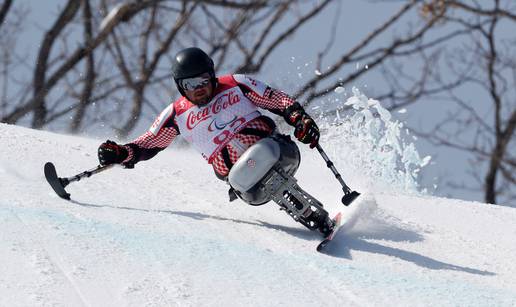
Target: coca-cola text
221, 103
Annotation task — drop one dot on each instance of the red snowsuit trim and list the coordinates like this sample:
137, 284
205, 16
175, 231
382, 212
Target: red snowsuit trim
149, 144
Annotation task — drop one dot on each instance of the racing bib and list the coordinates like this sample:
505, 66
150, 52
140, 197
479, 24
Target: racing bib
209, 128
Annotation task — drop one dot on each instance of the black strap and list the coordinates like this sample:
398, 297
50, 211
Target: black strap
226, 157
232, 194
260, 133
256, 132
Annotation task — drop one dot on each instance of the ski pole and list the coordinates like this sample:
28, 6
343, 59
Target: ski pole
349, 195
58, 184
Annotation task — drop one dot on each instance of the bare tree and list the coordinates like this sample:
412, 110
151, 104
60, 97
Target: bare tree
89, 79
46, 83
137, 48
146, 64
4, 9
119, 46
11, 61
446, 27
40, 71
473, 52
127, 47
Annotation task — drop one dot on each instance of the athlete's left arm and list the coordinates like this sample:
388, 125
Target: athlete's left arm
264, 96
280, 103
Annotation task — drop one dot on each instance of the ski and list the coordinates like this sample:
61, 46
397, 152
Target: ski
55, 182
338, 223
58, 184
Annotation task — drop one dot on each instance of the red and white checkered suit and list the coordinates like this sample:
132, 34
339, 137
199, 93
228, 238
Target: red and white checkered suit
149, 144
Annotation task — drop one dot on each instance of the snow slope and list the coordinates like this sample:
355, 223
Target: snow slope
164, 234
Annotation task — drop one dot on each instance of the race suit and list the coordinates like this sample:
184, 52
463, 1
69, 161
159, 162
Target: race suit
222, 129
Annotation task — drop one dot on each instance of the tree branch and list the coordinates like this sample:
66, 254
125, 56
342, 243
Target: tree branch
4, 10
64, 18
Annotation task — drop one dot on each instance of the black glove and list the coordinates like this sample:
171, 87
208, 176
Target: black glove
306, 130
111, 153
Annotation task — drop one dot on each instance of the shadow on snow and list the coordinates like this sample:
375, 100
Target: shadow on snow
342, 246
294, 231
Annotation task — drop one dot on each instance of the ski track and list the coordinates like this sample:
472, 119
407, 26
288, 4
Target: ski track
149, 237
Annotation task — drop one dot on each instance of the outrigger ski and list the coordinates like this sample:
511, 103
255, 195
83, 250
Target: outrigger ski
338, 223
55, 182
58, 184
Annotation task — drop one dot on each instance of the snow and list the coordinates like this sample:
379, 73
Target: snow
164, 234
372, 142
339, 90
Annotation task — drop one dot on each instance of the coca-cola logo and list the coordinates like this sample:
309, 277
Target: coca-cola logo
222, 102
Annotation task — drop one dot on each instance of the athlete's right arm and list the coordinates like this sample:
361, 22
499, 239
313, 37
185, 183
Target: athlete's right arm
160, 135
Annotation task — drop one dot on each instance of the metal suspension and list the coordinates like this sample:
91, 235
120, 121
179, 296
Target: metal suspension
301, 206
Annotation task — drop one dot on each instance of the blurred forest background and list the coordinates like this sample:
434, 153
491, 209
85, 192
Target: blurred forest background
447, 68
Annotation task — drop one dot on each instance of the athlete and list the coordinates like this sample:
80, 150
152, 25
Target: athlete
219, 116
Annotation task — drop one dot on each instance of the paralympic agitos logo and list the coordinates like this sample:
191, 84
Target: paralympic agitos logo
214, 125
223, 102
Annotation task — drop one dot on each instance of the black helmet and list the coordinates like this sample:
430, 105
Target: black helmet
191, 62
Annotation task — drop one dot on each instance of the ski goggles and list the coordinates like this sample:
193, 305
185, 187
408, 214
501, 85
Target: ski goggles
190, 84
